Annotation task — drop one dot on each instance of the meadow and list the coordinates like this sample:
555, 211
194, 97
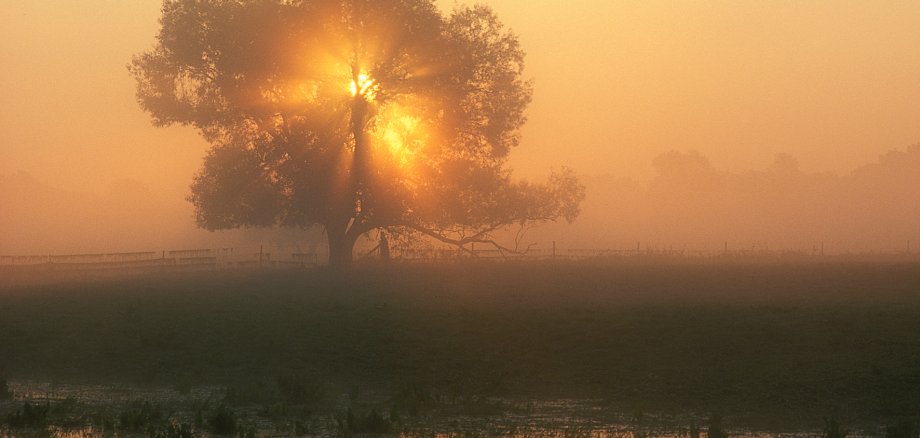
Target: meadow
768, 345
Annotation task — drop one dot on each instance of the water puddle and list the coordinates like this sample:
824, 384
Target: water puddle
88, 411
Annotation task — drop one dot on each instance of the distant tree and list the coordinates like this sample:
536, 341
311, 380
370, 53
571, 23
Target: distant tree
352, 114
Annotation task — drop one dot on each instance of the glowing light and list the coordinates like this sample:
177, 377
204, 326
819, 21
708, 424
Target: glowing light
364, 86
400, 134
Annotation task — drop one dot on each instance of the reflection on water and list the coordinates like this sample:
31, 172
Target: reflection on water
90, 411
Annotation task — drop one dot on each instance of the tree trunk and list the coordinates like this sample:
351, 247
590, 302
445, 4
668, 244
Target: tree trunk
341, 245
341, 249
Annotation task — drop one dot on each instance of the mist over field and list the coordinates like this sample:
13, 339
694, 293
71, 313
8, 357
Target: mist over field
692, 205
689, 205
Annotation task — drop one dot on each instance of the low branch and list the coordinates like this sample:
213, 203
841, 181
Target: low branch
479, 237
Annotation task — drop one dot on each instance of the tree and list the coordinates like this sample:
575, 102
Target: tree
352, 114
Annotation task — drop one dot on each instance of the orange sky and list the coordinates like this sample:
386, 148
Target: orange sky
617, 83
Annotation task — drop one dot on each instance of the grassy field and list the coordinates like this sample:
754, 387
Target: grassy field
765, 345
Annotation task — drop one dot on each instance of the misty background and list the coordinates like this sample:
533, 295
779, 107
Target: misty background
775, 125
688, 206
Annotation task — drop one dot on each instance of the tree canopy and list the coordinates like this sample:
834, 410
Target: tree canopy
351, 114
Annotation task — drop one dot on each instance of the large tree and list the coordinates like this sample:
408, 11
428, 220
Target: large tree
352, 114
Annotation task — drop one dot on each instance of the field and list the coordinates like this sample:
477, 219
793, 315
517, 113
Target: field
771, 346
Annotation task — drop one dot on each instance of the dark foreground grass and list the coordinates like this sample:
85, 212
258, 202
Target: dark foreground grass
770, 344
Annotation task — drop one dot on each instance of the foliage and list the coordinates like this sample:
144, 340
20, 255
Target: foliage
350, 114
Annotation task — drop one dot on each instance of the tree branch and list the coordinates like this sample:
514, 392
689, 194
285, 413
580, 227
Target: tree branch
479, 237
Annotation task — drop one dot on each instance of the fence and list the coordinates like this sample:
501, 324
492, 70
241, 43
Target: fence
251, 258
189, 259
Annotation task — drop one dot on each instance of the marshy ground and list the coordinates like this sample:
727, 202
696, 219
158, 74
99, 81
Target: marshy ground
593, 347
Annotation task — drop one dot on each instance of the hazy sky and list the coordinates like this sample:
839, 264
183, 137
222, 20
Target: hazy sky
617, 83
834, 83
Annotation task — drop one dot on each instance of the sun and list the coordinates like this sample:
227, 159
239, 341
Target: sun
364, 86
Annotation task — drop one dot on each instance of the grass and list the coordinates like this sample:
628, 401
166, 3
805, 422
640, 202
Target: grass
766, 345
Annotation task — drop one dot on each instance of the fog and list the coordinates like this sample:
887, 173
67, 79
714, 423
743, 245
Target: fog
690, 206
127, 216
624, 93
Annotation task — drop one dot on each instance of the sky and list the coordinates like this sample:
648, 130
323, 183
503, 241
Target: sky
616, 83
